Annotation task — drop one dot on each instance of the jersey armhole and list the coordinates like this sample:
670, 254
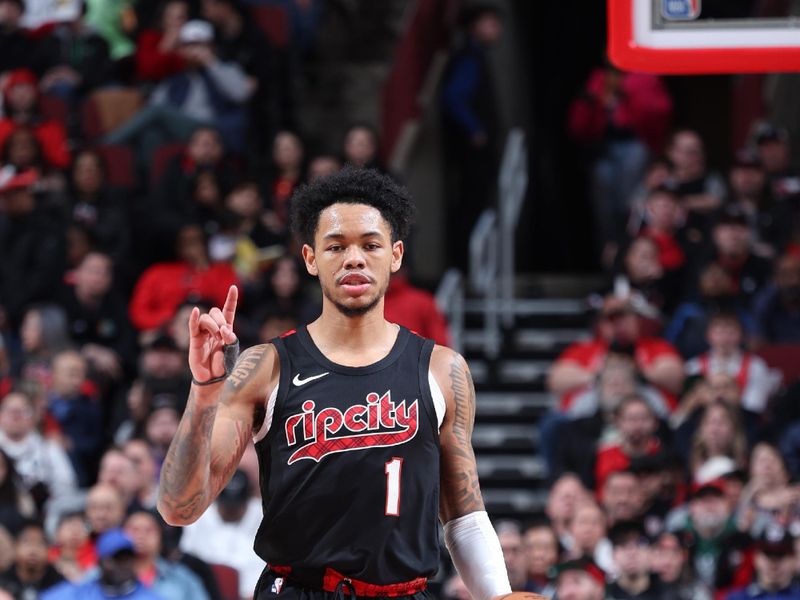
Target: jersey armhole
268, 413
439, 404
275, 401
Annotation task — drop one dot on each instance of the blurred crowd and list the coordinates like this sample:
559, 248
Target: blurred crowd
672, 452
147, 158
148, 154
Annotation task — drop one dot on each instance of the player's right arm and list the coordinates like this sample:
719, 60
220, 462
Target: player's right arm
219, 418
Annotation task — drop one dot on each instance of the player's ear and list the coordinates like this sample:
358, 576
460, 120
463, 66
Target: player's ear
397, 255
310, 259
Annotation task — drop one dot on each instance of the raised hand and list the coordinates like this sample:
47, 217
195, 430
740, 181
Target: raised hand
209, 333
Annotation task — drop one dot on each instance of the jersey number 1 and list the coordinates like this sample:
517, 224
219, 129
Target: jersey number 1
393, 468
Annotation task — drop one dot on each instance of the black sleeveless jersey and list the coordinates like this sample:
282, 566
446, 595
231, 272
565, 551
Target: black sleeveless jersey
349, 468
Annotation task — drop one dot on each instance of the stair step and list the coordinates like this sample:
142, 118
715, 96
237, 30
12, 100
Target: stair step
479, 369
510, 468
518, 370
504, 438
530, 344
513, 405
554, 340
511, 371
513, 501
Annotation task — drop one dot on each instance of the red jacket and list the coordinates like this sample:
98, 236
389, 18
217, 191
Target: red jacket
51, 136
164, 286
416, 309
591, 354
613, 458
644, 107
152, 63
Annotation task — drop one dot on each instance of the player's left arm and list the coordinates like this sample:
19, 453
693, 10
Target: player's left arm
469, 534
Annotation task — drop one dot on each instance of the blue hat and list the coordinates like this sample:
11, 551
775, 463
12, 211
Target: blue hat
112, 542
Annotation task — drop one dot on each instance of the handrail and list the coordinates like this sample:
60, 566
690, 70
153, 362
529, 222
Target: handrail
512, 185
491, 247
450, 300
483, 275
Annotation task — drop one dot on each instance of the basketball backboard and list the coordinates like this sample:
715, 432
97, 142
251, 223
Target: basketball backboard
703, 36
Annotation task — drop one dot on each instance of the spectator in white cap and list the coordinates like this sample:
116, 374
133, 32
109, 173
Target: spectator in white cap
209, 92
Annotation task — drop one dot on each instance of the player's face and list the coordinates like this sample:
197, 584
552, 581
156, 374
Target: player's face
353, 256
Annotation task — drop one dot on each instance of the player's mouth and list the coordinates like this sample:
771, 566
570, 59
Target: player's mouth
355, 284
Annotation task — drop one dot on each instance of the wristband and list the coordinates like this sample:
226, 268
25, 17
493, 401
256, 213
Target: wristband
210, 381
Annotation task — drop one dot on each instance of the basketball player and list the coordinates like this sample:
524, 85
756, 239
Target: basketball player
362, 428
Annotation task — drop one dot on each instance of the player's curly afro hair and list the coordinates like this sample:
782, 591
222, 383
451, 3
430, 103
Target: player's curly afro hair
354, 186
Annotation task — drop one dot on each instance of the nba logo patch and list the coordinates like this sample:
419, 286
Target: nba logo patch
277, 585
680, 10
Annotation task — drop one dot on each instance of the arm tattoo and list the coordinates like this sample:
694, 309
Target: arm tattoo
193, 471
185, 461
461, 477
246, 366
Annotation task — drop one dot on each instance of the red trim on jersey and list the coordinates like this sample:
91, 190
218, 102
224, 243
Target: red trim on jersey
332, 577
362, 588
288, 333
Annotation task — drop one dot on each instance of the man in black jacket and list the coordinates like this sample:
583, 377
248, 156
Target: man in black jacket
31, 245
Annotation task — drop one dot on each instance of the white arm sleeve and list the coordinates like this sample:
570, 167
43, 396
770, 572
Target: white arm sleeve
477, 555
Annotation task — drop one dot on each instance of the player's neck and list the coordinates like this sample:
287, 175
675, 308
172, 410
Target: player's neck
335, 333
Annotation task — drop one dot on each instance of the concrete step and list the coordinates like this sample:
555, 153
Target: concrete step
511, 371
528, 342
505, 438
519, 470
512, 405
554, 340
513, 501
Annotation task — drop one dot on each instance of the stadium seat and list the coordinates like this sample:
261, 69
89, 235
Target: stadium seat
785, 358
107, 109
119, 162
54, 108
161, 158
227, 580
273, 21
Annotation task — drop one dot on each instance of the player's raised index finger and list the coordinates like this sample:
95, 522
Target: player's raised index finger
229, 310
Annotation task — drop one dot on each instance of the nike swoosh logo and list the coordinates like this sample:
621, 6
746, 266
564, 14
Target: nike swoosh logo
298, 382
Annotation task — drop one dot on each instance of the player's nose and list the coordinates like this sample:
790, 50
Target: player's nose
354, 257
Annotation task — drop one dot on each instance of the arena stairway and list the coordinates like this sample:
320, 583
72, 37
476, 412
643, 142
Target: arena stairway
511, 397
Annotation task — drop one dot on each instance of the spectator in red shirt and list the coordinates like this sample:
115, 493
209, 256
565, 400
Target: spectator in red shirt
637, 426
618, 324
20, 106
164, 286
157, 55
664, 216
415, 308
